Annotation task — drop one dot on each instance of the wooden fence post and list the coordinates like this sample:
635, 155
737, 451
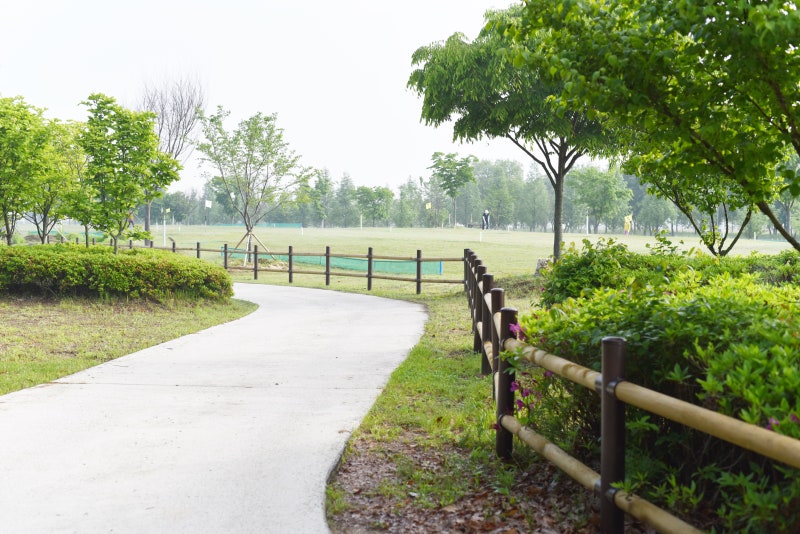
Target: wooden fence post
504, 443
486, 322
174, 248
327, 266
224, 255
291, 263
198, 250
419, 271
369, 269
475, 302
498, 301
467, 269
612, 434
255, 262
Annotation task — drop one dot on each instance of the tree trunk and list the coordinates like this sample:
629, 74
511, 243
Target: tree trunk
557, 214
765, 209
147, 220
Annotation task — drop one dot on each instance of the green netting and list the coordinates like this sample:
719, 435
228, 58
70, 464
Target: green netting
355, 264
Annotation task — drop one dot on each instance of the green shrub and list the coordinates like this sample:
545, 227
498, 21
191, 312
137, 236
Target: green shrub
726, 342
609, 264
141, 273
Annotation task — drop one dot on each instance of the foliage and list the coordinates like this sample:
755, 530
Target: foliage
374, 202
718, 332
609, 263
139, 273
476, 84
124, 166
255, 170
63, 165
604, 195
706, 90
23, 144
452, 173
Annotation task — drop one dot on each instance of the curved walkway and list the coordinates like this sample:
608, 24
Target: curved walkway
234, 429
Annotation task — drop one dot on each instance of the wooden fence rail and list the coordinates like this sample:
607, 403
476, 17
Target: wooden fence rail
253, 256
491, 325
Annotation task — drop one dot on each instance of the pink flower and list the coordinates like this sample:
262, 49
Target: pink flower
518, 331
773, 423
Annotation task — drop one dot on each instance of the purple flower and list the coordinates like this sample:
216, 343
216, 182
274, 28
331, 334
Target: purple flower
518, 331
520, 404
526, 393
794, 418
496, 426
773, 423
514, 386
548, 374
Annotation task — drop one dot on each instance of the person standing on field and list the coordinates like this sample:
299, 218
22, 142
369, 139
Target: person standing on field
485, 220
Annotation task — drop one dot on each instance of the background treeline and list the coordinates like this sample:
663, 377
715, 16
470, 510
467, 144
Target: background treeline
516, 200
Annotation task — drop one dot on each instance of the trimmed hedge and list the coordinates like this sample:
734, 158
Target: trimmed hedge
76, 270
609, 263
718, 332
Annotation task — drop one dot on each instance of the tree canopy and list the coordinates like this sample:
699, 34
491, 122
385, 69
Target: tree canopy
707, 90
476, 84
125, 167
452, 173
23, 142
253, 164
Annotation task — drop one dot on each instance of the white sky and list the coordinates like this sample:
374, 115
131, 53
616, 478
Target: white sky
334, 71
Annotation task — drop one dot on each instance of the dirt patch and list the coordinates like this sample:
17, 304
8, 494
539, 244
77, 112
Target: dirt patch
540, 500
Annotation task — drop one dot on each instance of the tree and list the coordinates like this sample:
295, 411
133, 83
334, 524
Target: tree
432, 212
63, 166
124, 168
177, 106
497, 182
476, 83
23, 144
407, 206
376, 202
706, 90
254, 166
344, 203
452, 173
654, 213
536, 201
322, 196
604, 195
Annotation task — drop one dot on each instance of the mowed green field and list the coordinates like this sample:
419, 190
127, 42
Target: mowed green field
506, 253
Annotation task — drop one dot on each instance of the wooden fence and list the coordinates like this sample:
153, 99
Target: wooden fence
492, 321
253, 259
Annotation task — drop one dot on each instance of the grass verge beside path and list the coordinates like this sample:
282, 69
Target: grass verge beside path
45, 339
423, 459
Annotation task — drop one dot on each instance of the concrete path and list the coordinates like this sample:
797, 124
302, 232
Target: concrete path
234, 429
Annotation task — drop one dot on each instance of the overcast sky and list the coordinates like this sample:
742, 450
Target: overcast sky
334, 71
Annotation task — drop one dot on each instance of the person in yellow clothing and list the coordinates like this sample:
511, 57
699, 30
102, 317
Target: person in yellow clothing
628, 222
